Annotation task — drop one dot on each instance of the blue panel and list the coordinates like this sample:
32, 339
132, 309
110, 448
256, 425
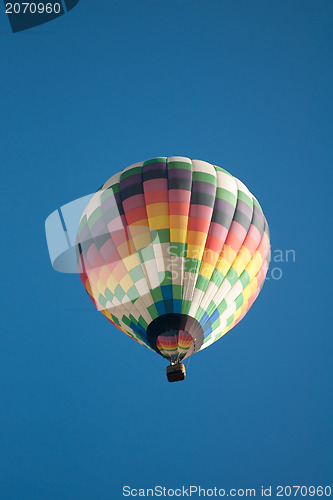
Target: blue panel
177, 306
167, 292
160, 307
204, 319
214, 316
168, 306
137, 330
206, 333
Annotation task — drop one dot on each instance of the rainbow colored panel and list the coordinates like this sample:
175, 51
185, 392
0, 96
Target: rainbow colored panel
174, 345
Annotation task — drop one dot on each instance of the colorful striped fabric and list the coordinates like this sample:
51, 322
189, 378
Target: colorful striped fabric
174, 346
173, 237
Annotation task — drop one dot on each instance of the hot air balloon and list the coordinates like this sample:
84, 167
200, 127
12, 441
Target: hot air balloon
173, 252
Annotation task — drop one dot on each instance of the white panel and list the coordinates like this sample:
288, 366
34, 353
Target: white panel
134, 165
221, 292
209, 294
179, 158
235, 291
112, 181
227, 182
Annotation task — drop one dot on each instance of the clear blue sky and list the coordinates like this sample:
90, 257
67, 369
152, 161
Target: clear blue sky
245, 85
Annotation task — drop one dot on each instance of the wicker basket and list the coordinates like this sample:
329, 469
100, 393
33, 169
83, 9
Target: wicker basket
176, 372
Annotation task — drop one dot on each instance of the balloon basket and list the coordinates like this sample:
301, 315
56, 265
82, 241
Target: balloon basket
175, 373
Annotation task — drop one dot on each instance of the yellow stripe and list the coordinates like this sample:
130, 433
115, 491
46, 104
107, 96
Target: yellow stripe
126, 282
160, 222
131, 261
111, 283
223, 266
241, 261
250, 289
194, 251
178, 235
206, 270
254, 266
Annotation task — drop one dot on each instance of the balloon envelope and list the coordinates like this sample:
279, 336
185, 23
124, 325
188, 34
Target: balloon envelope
173, 252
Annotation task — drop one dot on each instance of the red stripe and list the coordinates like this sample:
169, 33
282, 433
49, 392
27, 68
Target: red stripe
156, 197
179, 208
136, 214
